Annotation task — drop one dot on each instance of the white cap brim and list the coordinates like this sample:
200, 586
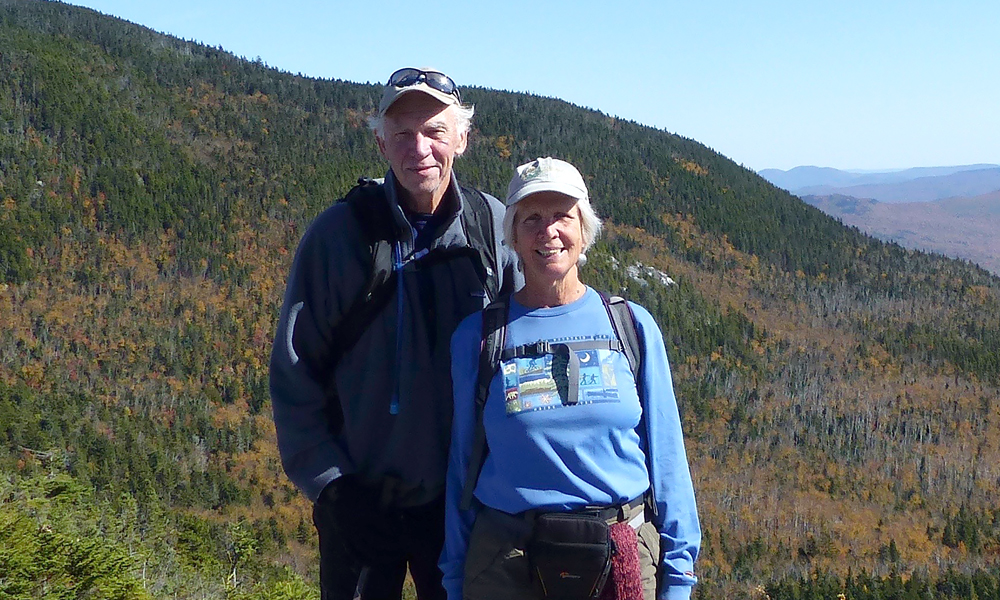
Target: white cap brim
393, 93
546, 186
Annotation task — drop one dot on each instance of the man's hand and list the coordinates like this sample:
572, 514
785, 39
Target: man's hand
370, 530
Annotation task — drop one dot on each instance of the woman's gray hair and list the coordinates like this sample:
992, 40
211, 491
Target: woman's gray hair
590, 224
463, 119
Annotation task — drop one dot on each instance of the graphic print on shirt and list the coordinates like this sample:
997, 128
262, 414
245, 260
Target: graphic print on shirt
530, 384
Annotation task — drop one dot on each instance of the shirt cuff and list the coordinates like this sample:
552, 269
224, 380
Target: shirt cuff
675, 592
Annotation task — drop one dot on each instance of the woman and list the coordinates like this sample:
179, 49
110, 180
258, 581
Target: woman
565, 443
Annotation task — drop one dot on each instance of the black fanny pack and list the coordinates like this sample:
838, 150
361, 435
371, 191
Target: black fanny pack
571, 554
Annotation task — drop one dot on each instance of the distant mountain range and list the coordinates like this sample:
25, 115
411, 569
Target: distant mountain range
954, 211
923, 184
924, 189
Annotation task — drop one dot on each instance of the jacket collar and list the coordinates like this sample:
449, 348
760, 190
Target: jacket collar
452, 203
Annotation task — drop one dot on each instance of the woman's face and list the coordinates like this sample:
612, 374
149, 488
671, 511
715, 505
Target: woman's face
548, 236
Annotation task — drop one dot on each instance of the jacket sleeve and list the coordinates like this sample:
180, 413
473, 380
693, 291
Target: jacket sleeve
465, 345
677, 515
307, 412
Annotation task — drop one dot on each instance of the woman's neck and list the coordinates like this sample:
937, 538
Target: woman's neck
548, 294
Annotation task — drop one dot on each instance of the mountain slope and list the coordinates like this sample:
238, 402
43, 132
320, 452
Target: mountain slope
838, 393
966, 228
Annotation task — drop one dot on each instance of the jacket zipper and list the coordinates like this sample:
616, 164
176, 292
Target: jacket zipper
398, 265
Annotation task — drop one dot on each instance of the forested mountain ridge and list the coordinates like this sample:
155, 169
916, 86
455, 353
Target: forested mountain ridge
839, 394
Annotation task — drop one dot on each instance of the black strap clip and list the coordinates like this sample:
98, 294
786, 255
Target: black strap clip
537, 349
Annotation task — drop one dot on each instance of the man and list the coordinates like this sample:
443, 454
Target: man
360, 381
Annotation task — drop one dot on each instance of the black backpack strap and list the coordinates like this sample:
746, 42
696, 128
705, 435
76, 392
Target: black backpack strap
623, 322
370, 208
480, 231
494, 338
542, 347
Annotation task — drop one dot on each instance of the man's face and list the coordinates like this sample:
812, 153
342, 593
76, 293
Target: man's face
421, 142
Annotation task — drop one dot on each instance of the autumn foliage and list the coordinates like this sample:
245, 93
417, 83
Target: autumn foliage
839, 395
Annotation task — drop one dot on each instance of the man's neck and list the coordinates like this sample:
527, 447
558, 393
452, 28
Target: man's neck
423, 203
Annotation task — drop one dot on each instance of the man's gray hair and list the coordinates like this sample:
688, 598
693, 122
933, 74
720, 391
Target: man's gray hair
463, 118
590, 224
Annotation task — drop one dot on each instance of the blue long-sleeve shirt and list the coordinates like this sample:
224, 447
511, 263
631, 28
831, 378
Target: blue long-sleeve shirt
545, 454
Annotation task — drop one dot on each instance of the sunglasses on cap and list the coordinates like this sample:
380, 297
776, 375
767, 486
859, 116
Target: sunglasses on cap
435, 79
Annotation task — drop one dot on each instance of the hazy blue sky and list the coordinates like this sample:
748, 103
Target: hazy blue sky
867, 84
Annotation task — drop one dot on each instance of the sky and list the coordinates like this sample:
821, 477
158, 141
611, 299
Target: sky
865, 85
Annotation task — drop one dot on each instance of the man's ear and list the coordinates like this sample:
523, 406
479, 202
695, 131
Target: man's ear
463, 143
381, 146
